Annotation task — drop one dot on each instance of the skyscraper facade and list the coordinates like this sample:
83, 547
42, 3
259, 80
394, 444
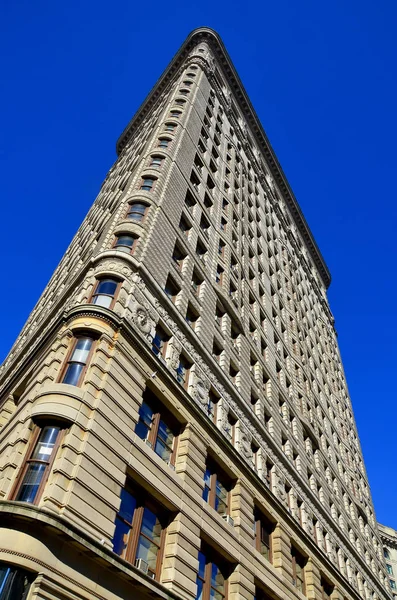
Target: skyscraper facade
174, 417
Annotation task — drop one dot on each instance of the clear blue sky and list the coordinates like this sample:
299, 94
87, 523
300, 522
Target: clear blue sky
322, 77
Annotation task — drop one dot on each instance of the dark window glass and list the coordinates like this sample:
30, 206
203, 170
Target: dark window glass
14, 582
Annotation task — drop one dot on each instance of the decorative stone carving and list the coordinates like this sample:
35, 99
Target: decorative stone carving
141, 318
244, 443
200, 389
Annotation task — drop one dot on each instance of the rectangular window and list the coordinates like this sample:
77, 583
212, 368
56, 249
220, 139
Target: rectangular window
183, 371
37, 464
158, 427
211, 576
77, 361
171, 289
326, 590
140, 531
159, 342
298, 570
216, 488
263, 535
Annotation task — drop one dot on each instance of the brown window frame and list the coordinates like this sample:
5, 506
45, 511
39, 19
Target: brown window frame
263, 525
131, 248
217, 475
297, 557
129, 211
149, 178
212, 559
37, 430
76, 337
143, 500
160, 413
116, 292
186, 371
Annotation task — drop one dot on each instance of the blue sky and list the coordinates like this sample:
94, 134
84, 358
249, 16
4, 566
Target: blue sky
321, 76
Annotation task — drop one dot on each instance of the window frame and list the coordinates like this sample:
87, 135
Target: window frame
262, 523
143, 500
76, 338
160, 413
114, 297
143, 215
118, 247
28, 460
209, 556
216, 476
297, 557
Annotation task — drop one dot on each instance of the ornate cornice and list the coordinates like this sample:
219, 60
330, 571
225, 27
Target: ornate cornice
209, 36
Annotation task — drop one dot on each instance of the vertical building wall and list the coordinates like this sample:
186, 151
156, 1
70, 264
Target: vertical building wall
224, 272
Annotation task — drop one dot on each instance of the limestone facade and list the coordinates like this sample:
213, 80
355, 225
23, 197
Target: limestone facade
175, 405
388, 537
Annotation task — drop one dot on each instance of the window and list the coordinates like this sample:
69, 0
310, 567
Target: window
263, 535
137, 211
183, 371
170, 127
14, 582
175, 113
156, 161
389, 569
393, 584
386, 553
125, 243
216, 488
298, 570
326, 589
184, 226
159, 342
191, 316
213, 400
37, 464
77, 361
196, 283
140, 531
164, 143
219, 275
171, 289
201, 251
211, 576
157, 427
105, 292
147, 184
180, 101
260, 594
178, 257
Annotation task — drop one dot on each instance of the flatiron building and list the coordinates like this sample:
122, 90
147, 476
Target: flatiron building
174, 417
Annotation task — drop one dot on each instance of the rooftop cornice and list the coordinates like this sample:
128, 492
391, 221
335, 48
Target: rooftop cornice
205, 34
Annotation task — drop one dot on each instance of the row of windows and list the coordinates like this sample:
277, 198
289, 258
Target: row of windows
104, 294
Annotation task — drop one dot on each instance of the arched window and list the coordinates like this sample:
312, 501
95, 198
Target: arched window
156, 161
137, 211
175, 113
105, 292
